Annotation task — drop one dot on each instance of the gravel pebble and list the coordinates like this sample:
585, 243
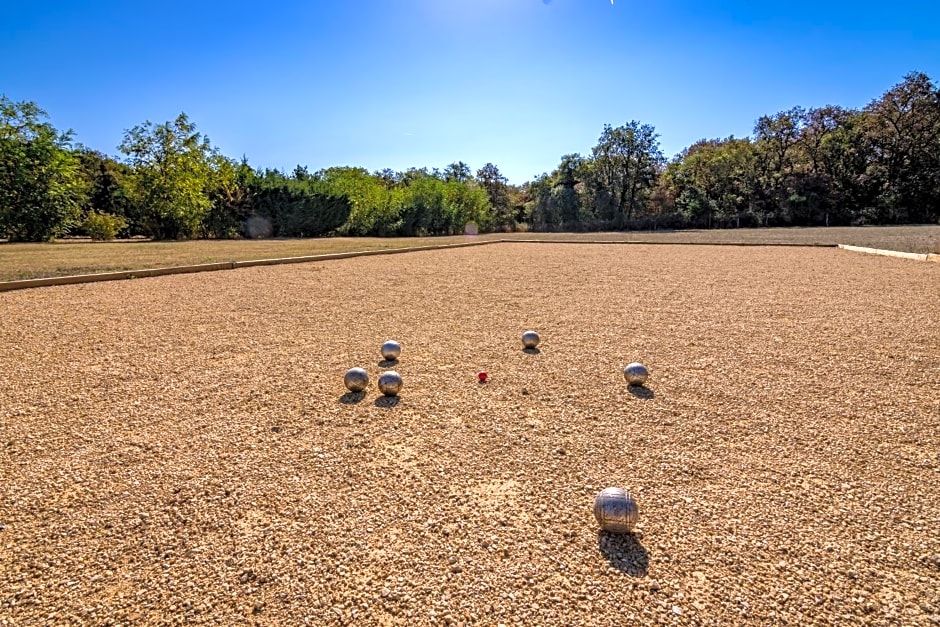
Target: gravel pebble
182, 449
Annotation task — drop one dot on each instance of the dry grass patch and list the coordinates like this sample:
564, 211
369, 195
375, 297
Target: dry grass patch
913, 239
70, 257
181, 449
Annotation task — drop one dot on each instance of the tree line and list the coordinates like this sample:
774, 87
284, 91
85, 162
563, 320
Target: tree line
801, 167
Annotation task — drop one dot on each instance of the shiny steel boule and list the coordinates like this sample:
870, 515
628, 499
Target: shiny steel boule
615, 510
530, 339
391, 350
390, 383
356, 379
636, 373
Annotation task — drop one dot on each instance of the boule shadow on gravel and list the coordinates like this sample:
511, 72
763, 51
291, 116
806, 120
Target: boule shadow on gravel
387, 402
624, 552
351, 398
641, 391
388, 363
531, 351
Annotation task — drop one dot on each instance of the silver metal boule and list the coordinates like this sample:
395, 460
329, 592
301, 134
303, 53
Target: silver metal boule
530, 339
636, 373
356, 379
615, 510
391, 350
390, 383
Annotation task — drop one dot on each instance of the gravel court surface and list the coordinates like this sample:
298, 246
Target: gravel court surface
180, 450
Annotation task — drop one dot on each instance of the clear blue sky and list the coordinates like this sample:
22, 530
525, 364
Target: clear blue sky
400, 83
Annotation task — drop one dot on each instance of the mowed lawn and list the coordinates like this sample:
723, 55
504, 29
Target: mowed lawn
70, 257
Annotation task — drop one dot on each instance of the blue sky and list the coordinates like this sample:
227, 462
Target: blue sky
401, 83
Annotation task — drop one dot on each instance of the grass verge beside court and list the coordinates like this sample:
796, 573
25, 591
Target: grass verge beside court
71, 257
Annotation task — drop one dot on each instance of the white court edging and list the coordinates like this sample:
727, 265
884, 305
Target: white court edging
891, 253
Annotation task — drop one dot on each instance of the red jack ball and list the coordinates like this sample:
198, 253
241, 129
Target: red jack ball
482, 376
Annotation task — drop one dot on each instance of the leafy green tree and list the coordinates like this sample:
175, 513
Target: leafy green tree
776, 138
231, 196
41, 188
103, 226
105, 181
292, 207
776, 135
844, 160
540, 207
715, 181
422, 204
561, 200
819, 147
429, 205
497, 191
518, 207
301, 173
171, 178
458, 171
389, 178
373, 212
465, 204
903, 131
411, 175
627, 160
566, 196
